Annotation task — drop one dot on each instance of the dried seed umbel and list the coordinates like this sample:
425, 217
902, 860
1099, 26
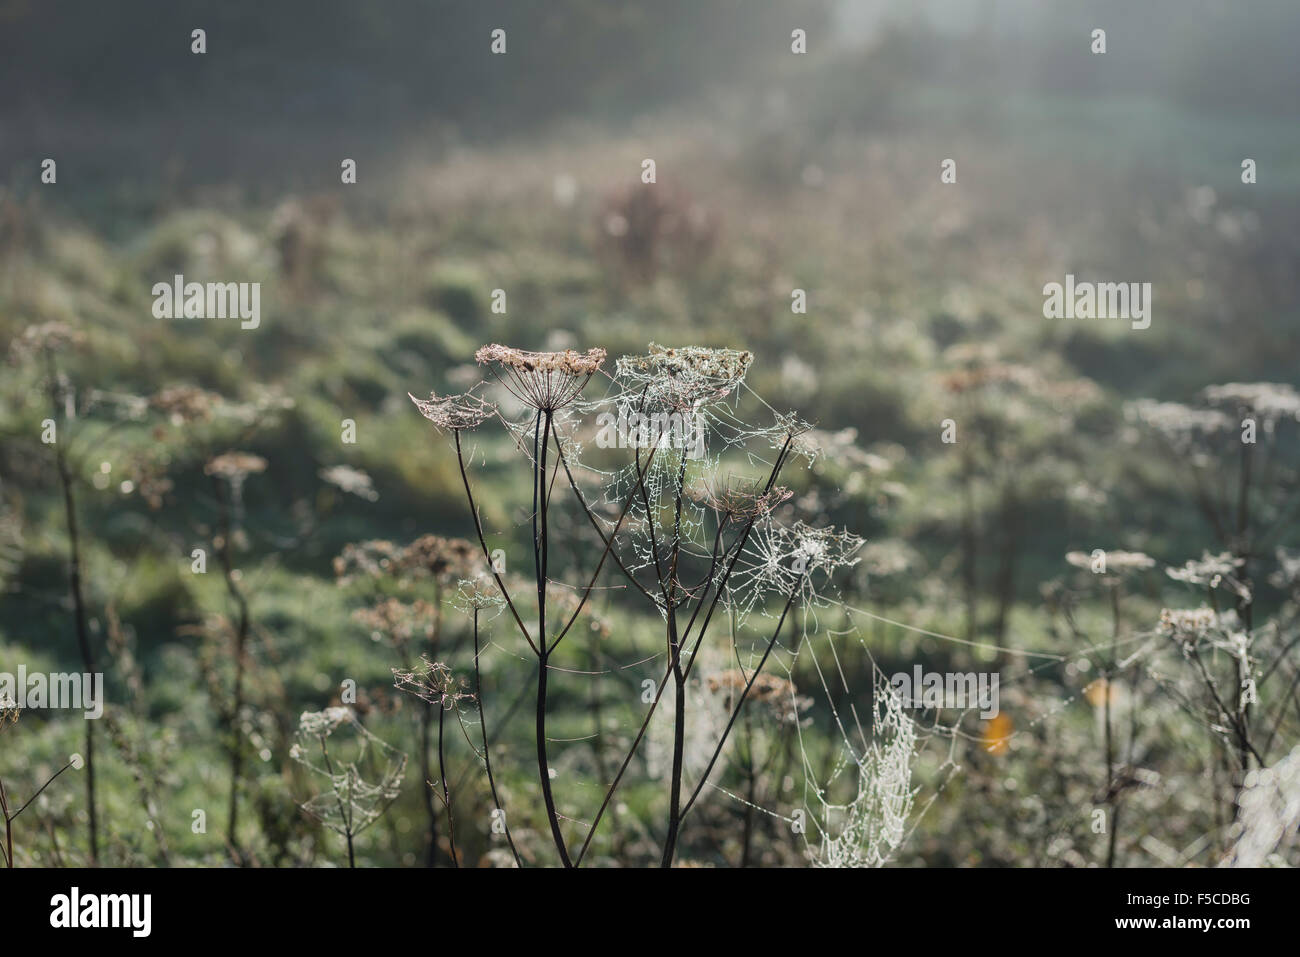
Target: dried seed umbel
545, 381
454, 413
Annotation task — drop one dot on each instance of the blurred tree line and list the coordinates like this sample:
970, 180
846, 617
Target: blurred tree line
336, 59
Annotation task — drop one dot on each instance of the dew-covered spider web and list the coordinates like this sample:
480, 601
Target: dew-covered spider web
361, 773
686, 494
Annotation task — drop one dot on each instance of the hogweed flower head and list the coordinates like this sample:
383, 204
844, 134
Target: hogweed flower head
780, 560
1212, 571
234, 467
1268, 400
1113, 562
398, 622
1188, 625
364, 772
46, 337
683, 379
323, 722
183, 404
374, 558
739, 498
454, 413
789, 431
351, 481
841, 446
9, 712
776, 694
545, 381
1270, 810
1182, 425
478, 596
433, 682
440, 558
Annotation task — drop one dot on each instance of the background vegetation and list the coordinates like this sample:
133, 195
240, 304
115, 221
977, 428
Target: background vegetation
522, 173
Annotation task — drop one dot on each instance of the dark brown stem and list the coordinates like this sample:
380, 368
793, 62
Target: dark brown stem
487, 555
776, 633
426, 733
345, 813
542, 437
487, 759
663, 683
10, 818
446, 795
679, 678
543, 768
76, 590
241, 641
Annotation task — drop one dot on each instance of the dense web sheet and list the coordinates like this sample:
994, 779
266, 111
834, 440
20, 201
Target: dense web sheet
866, 831
1270, 813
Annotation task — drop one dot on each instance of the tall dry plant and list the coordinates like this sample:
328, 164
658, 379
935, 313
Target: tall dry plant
687, 537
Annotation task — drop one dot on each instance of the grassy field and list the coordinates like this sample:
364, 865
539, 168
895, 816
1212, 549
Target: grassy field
924, 304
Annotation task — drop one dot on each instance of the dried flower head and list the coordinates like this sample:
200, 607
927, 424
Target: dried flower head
9, 712
738, 498
1288, 568
429, 556
46, 337
977, 376
1212, 571
397, 622
1188, 625
1270, 812
184, 403
1116, 562
841, 446
1181, 424
437, 557
149, 480
888, 557
369, 559
350, 480
1268, 400
234, 467
682, 379
1207, 571
364, 772
433, 682
780, 560
799, 435
546, 381
478, 595
323, 722
778, 695
453, 413
790, 424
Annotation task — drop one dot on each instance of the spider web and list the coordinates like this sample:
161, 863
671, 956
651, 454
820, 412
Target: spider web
861, 797
364, 773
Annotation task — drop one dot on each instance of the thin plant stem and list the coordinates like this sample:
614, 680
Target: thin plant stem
446, 795
487, 758
241, 641
76, 590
